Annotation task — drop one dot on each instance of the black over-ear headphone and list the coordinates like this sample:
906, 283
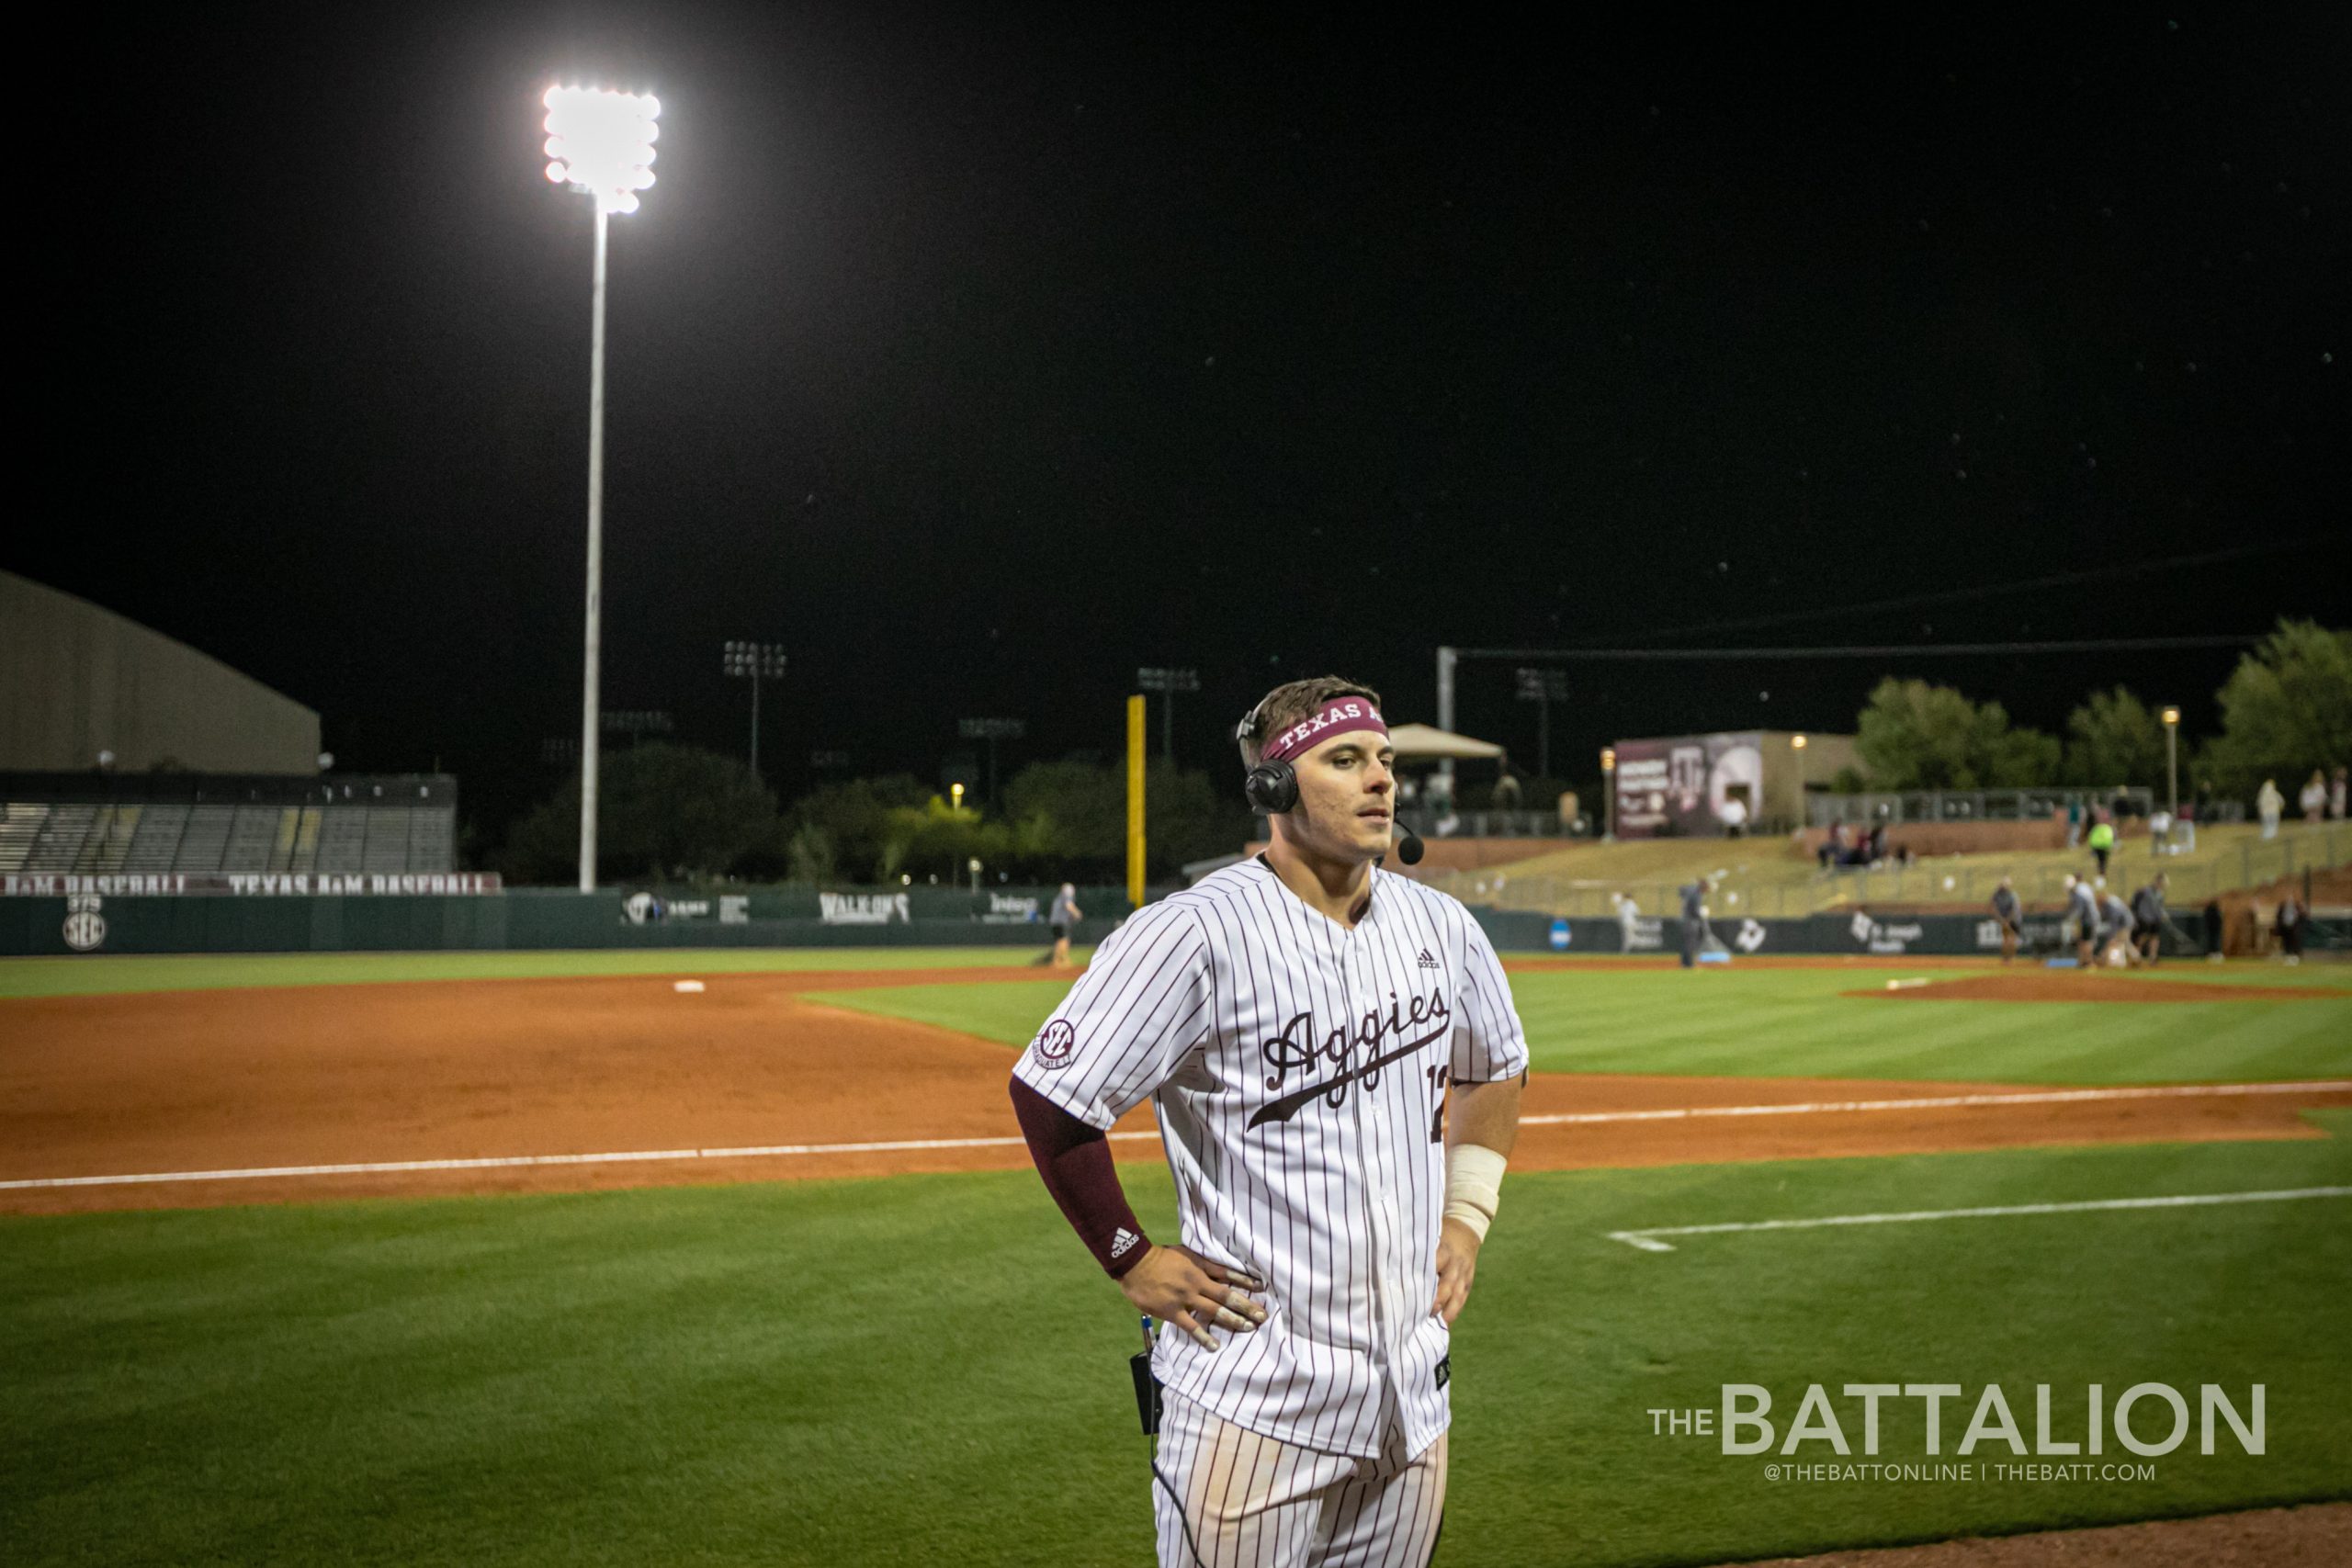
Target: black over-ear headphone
1272, 788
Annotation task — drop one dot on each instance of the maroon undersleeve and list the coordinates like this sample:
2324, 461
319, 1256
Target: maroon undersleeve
1075, 1160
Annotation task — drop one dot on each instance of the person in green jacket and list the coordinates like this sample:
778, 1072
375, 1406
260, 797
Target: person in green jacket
2102, 840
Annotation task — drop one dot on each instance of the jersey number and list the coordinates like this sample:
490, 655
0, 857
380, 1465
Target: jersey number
1437, 1077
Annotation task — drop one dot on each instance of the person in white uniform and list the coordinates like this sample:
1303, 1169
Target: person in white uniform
1337, 1066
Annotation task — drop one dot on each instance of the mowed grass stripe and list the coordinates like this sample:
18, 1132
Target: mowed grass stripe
1802, 1023
929, 1368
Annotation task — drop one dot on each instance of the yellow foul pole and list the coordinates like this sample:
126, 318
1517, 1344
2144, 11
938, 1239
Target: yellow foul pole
1135, 800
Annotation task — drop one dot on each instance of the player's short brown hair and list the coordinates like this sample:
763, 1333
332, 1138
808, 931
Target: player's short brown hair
1289, 703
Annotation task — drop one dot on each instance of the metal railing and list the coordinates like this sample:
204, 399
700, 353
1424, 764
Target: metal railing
1961, 881
1488, 823
1967, 804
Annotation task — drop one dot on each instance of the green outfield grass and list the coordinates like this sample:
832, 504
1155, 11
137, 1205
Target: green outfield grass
928, 1369
205, 971
1802, 1023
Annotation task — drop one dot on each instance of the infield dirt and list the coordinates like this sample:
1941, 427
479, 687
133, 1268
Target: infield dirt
238, 1079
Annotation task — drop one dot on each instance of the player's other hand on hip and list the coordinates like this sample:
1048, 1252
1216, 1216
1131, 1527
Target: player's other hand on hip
1457, 1261
1178, 1285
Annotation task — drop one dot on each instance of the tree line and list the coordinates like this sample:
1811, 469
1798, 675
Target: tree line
2285, 710
672, 812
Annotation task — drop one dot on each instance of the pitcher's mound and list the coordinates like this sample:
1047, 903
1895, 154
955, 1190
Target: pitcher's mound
2074, 985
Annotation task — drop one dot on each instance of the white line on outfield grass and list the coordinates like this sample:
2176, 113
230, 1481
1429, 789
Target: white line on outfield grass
1938, 1101
1648, 1239
898, 1145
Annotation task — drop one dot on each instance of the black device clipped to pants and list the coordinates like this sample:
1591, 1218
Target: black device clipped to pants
1147, 1384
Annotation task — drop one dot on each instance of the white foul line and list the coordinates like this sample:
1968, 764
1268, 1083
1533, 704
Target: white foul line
1648, 1239
1937, 1102
499, 1162
898, 1145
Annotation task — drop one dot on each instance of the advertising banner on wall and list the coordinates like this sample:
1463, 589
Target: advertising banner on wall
1676, 787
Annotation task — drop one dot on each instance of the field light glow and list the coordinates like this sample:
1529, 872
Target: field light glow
601, 142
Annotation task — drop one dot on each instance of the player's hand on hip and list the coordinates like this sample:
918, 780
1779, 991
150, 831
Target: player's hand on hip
1457, 1261
1178, 1285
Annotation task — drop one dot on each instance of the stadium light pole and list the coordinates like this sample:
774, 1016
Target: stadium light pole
1609, 792
601, 144
2172, 762
755, 660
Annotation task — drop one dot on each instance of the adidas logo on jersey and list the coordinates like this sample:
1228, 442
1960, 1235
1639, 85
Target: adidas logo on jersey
1427, 962
1123, 1243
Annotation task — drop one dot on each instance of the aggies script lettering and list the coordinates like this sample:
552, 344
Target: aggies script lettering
1297, 1048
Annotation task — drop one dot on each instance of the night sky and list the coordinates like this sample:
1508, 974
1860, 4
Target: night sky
978, 355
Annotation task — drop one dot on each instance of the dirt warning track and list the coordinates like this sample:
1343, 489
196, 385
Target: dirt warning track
564, 1085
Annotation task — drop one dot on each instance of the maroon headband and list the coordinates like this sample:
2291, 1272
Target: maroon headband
1337, 716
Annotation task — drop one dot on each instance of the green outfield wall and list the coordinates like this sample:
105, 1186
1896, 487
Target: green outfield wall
930, 917
535, 918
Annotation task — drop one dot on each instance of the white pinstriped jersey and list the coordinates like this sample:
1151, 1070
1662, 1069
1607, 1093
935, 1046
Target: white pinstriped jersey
1298, 1069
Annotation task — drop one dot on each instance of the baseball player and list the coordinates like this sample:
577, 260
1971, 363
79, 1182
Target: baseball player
1336, 1065
2082, 913
2006, 910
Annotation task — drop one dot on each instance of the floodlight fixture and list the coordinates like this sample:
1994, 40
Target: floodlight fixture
601, 143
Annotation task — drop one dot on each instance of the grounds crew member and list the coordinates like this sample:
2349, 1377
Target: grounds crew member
2148, 920
1336, 1065
1694, 919
2082, 914
2012, 918
2115, 927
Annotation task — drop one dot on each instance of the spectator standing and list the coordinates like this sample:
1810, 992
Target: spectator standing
2267, 804
2073, 821
2336, 798
2012, 918
1064, 920
1734, 816
1832, 853
2148, 920
2313, 799
2288, 923
2102, 840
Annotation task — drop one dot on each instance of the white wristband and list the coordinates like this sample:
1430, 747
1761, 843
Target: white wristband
1474, 1180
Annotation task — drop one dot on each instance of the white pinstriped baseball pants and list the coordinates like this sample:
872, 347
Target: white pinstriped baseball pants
1255, 1502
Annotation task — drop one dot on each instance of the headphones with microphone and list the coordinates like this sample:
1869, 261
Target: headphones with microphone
1272, 788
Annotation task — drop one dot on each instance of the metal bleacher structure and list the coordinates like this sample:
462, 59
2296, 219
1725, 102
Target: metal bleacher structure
217, 826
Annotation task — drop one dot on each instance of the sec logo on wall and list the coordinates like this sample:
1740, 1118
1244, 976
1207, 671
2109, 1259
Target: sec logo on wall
86, 929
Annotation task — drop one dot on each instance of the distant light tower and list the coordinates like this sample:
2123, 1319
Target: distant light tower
757, 659
1168, 682
991, 730
601, 144
1543, 687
